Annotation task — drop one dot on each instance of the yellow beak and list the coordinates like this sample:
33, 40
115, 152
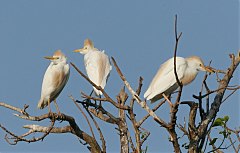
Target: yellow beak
209, 69
78, 50
51, 58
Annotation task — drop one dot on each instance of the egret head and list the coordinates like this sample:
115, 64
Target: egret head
196, 63
58, 57
88, 45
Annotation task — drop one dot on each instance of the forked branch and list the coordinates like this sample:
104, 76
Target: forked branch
72, 128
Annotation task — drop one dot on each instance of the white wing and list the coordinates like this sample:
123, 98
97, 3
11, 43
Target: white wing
63, 77
98, 68
54, 80
47, 87
165, 77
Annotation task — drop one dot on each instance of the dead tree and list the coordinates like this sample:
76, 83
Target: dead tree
125, 103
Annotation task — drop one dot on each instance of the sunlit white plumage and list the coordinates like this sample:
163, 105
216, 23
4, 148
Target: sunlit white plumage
165, 82
97, 64
55, 78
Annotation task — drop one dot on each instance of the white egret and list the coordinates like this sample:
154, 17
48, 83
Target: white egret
164, 82
97, 64
54, 80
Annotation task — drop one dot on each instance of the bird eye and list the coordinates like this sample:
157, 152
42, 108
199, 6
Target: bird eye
200, 64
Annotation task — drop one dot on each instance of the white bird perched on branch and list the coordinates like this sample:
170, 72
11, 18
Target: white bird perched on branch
54, 80
97, 64
164, 82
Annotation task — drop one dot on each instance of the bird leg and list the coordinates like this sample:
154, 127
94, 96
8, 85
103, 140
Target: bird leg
170, 103
98, 108
49, 109
91, 93
88, 101
100, 102
55, 103
59, 113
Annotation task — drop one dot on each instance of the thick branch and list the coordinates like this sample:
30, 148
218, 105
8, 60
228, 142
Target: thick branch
94, 147
43, 129
223, 85
218, 98
122, 124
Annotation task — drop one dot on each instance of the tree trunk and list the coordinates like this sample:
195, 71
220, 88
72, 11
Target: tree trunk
122, 125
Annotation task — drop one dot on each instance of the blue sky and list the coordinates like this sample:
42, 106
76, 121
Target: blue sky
138, 34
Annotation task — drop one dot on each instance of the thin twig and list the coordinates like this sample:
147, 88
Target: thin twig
146, 135
99, 130
84, 115
93, 98
21, 138
137, 91
109, 99
131, 143
217, 90
100, 109
137, 98
174, 108
177, 37
229, 95
140, 122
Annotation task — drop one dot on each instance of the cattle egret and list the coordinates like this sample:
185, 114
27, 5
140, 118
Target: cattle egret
54, 80
97, 64
164, 83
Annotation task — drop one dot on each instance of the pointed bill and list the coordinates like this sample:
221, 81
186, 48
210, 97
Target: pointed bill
208, 69
51, 58
78, 50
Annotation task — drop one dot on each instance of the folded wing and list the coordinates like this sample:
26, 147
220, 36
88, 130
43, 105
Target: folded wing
165, 77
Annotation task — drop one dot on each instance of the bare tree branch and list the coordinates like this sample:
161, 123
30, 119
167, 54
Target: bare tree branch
137, 98
154, 109
100, 88
174, 107
218, 98
177, 38
122, 125
94, 147
79, 108
137, 91
99, 130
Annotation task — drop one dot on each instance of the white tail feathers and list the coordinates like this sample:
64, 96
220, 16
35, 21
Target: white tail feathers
41, 104
97, 92
146, 94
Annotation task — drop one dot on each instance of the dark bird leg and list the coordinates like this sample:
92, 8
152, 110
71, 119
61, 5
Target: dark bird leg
91, 93
88, 101
100, 102
98, 106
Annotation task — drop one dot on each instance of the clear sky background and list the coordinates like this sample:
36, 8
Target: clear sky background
138, 34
